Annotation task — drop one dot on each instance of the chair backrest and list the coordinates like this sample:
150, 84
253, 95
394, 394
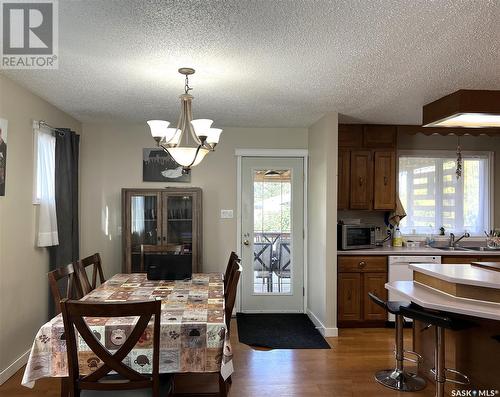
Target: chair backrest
95, 261
230, 296
262, 256
72, 289
73, 316
229, 268
284, 256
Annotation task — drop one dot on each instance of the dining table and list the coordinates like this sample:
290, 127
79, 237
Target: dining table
193, 332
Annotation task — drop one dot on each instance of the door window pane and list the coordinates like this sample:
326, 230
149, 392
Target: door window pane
272, 263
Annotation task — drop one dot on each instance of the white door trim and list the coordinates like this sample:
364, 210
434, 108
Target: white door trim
240, 153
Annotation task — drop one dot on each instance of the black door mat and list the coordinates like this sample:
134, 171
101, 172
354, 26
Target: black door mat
279, 331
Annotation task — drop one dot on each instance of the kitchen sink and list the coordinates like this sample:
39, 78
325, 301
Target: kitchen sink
482, 249
454, 248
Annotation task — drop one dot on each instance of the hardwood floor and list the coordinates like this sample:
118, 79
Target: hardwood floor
346, 370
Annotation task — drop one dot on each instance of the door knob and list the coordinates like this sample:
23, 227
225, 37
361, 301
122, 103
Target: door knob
246, 242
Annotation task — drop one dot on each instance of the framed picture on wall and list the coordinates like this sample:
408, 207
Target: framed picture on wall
159, 166
3, 155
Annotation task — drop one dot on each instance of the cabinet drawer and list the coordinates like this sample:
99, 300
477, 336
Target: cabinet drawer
362, 264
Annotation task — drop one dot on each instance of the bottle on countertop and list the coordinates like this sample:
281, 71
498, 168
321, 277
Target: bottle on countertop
397, 238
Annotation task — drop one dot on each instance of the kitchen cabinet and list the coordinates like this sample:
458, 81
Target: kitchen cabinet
379, 136
361, 180
367, 167
349, 285
384, 182
374, 283
169, 218
344, 179
469, 259
357, 276
350, 135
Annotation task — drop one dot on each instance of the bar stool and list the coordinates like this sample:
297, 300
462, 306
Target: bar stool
440, 321
398, 378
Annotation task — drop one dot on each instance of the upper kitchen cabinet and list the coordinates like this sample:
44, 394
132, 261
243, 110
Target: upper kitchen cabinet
367, 167
344, 179
361, 180
384, 186
379, 136
350, 135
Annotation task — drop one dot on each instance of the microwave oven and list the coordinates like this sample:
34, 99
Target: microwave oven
351, 237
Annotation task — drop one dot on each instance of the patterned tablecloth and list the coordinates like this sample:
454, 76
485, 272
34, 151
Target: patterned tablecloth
193, 335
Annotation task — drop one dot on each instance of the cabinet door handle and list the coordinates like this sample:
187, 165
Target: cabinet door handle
360, 181
386, 180
361, 264
159, 238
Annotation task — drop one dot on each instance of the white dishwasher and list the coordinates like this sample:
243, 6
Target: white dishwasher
399, 271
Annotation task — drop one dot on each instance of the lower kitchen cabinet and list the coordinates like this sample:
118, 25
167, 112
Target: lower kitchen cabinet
357, 276
349, 301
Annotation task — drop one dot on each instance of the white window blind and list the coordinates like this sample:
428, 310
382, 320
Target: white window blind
433, 197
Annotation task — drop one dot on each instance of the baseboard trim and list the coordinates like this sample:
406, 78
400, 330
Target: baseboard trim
14, 367
326, 332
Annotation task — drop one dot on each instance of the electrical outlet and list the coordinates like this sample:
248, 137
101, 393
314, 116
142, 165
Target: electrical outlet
226, 214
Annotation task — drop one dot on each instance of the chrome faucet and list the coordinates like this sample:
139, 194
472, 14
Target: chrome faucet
453, 242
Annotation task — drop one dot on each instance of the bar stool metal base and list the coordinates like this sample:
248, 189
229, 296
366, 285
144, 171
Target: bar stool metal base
400, 380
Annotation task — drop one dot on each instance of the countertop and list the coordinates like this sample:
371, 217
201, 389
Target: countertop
415, 251
433, 299
460, 274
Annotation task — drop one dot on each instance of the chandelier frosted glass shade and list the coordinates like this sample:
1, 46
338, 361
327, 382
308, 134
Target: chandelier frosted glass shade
163, 134
184, 155
190, 142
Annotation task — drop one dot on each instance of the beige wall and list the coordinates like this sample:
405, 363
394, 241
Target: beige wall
111, 158
23, 267
322, 222
472, 143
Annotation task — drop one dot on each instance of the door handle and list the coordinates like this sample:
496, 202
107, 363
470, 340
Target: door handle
246, 242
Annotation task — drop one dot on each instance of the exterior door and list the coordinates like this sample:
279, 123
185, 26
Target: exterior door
272, 238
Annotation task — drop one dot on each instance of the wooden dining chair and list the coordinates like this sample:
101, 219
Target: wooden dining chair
230, 297
72, 288
95, 262
229, 268
126, 381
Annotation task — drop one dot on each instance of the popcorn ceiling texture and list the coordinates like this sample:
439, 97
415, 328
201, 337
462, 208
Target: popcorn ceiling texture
268, 63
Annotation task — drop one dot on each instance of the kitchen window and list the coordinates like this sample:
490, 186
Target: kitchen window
433, 197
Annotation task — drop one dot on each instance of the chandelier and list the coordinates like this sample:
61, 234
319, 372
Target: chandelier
191, 140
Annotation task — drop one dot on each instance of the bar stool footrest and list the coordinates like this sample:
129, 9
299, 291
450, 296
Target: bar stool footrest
465, 381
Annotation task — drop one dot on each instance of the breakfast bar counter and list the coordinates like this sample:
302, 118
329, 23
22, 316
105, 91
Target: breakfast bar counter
466, 291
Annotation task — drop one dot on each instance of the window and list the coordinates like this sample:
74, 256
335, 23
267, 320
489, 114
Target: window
44, 185
433, 197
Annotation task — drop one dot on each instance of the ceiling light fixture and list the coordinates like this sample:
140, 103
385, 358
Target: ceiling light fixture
464, 108
191, 140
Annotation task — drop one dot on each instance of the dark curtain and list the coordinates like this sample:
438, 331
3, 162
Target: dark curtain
66, 194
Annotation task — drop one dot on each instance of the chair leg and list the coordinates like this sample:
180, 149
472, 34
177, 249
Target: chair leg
222, 387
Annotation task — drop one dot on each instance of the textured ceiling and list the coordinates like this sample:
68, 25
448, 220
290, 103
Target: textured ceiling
268, 63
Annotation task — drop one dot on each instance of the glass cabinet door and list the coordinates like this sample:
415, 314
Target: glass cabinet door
179, 224
144, 225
